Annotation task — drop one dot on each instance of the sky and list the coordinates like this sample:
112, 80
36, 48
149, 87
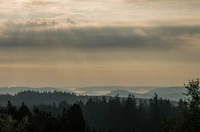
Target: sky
78, 43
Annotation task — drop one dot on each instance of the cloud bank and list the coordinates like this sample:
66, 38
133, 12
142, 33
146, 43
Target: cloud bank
50, 33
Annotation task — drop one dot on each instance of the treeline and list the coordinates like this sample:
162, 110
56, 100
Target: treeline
25, 120
35, 98
31, 98
103, 115
116, 114
121, 115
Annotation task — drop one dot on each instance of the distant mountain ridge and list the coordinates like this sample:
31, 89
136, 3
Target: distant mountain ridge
14, 90
168, 90
101, 90
172, 93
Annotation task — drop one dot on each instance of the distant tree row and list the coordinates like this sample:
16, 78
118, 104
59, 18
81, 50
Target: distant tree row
31, 98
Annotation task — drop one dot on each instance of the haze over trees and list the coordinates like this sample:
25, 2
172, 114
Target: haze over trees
173, 93
103, 114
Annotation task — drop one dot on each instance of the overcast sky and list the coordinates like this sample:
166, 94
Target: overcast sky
99, 42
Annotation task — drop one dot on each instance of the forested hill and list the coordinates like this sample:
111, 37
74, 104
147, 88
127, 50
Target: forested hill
35, 98
100, 113
172, 93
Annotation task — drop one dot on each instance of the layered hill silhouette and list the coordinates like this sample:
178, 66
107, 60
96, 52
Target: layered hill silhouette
172, 93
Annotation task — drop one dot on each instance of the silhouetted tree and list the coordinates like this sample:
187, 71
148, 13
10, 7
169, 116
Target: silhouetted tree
189, 118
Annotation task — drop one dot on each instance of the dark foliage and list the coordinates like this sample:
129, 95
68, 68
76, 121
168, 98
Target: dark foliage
99, 114
188, 119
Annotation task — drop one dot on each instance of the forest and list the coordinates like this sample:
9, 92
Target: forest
101, 114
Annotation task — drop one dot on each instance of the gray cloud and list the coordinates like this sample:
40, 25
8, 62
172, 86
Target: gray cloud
70, 21
29, 24
49, 34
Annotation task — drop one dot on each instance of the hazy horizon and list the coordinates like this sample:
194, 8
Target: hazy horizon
89, 86
172, 93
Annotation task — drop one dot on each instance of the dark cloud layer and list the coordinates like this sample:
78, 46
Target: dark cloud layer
45, 34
